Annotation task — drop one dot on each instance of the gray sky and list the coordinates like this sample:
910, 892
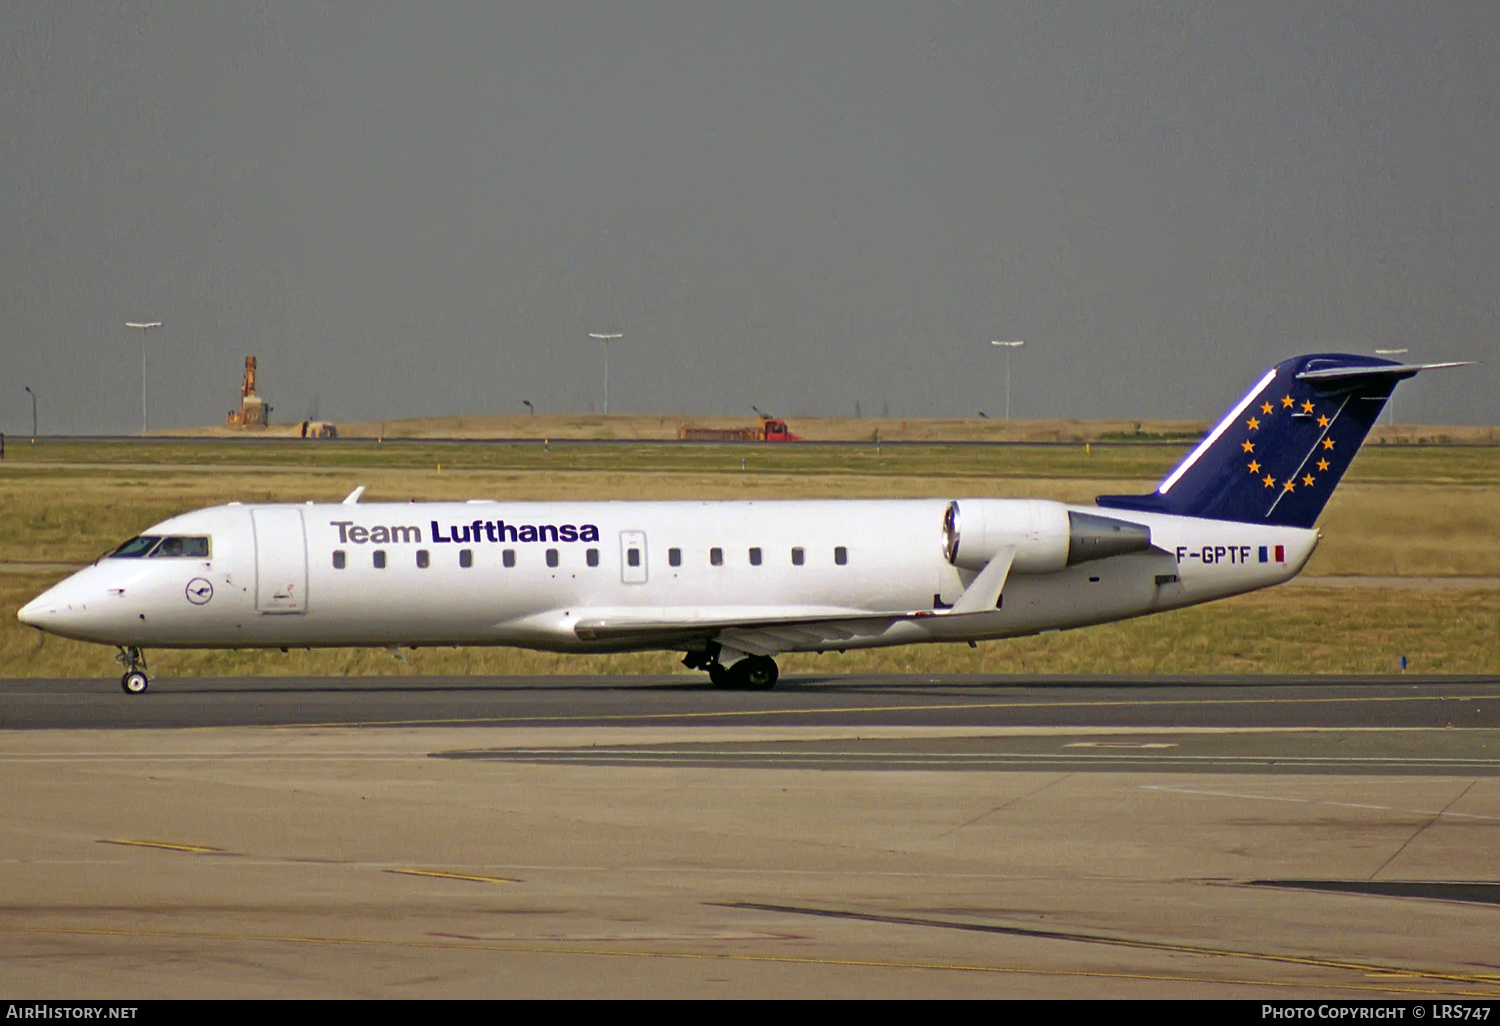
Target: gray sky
421, 209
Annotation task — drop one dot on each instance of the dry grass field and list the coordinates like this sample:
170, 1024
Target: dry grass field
1404, 510
621, 427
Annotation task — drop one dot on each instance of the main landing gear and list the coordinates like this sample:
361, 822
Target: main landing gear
134, 681
751, 673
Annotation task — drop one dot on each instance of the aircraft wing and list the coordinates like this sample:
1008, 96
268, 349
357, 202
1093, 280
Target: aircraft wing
792, 625
762, 631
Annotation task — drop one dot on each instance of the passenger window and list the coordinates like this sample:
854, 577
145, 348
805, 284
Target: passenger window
338, 559
509, 557
716, 557
796, 557
674, 557
841, 555
552, 557
755, 557
633, 557
379, 555
422, 559
465, 558
592, 557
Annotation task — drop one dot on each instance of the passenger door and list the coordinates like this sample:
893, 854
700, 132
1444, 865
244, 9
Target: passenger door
280, 560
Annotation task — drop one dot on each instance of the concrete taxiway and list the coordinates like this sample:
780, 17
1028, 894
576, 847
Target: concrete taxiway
873, 836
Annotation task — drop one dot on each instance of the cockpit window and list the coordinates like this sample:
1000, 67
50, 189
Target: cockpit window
155, 545
136, 547
182, 547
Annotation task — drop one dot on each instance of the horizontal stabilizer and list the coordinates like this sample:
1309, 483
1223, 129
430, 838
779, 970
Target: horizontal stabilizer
1396, 370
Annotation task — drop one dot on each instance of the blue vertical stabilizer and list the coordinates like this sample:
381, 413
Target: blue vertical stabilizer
1276, 456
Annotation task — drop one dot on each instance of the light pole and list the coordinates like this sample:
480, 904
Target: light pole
1391, 400
606, 339
527, 403
33, 412
1007, 346
145, 327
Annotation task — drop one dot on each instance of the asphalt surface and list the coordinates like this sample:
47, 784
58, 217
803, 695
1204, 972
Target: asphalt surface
874, 836
1324, 702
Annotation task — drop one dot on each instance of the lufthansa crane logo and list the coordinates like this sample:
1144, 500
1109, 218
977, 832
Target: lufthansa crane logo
199, 591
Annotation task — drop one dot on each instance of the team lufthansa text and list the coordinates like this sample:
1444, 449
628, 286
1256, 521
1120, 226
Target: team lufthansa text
478, 531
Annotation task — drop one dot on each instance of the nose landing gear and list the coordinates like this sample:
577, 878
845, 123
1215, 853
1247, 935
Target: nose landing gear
134, 681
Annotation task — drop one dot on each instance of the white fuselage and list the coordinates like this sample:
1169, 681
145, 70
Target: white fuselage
271, 576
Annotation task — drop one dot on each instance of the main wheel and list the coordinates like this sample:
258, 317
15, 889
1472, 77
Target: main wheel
135, 683
720, 676
756, 673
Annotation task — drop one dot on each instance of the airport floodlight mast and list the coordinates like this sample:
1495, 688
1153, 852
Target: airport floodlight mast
1391, 402
527, 403
1007, 346
33, 412
606, 339
145, 326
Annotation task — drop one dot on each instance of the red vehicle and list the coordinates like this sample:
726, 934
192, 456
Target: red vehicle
771, 429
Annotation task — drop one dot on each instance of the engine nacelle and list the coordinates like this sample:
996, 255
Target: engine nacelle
1047, 535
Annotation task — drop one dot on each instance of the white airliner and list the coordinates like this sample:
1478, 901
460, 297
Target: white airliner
733, 584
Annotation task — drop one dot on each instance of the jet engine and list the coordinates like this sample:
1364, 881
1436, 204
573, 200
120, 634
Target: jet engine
1047, 535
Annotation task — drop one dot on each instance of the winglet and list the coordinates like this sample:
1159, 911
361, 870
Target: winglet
353, 497
984, 591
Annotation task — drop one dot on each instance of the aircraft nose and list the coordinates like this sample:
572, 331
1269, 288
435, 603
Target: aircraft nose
52, 609
70, 608
39, 612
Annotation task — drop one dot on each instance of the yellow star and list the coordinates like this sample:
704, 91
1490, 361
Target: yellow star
1322, 464
1328, 443
1254, 467
1307, 479
1266, 408
1248, 446
1253, 424
1270, 481
1290, 486
1307, 406
1323, 421
1286, 402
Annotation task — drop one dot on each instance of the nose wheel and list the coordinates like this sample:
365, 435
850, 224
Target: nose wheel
134, 681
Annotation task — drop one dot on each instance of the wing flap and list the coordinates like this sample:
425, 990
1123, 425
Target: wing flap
801, 637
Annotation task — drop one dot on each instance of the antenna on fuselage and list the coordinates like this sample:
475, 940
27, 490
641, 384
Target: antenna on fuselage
353, 497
